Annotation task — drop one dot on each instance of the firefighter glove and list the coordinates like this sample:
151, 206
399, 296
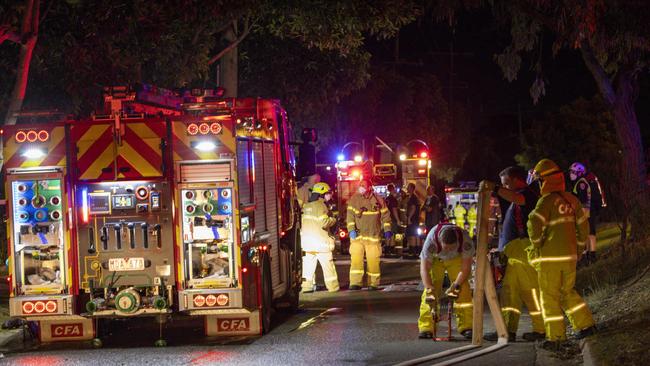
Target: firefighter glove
388, 234
453, 291
353, 234
430, 298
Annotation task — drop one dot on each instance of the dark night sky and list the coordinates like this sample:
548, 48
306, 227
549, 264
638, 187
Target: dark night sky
479, 85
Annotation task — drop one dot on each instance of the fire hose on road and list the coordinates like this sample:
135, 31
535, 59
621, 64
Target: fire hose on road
484, 286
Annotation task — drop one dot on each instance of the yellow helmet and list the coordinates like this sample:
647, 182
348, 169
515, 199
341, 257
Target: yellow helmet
320, 188
545, 168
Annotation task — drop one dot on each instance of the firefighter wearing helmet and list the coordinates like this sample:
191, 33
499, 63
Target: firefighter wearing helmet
557, 227
366, 216
316, 242
583, 190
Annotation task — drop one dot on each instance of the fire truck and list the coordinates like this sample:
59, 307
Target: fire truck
466, 194
190, 210
415, 169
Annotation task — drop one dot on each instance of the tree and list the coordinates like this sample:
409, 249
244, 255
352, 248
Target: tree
582, 131
613, 38
26, 40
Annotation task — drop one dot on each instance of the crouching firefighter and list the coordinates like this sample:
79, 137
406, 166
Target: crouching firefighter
556, 227
316, 242
446, 248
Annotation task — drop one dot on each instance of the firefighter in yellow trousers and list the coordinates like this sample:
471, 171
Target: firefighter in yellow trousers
556, 227
446, 248
367, 214
316, 242
472, 216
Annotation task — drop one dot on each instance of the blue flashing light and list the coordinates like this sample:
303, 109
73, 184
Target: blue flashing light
340, 157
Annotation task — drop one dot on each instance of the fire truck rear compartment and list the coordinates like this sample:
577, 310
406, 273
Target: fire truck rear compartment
126, 247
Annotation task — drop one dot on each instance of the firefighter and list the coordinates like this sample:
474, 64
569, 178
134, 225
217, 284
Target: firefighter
304, 192
459, 215
583, 190
446, 248
472, 215
316, 242
557, 227
519, 284
366, 216
412, 220
392, 205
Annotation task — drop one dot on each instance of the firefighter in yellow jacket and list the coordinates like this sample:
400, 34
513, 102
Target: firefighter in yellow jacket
459, 215
472, 217
557, 226
367, 214
446, 248
315, 239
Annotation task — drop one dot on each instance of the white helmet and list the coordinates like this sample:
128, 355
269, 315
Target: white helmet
578, 169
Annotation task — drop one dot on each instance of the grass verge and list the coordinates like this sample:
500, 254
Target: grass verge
616, 288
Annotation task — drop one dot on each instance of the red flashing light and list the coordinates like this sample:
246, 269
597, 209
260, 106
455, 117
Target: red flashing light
192, 129
215, 128
204, 128
342, 234
264, 247
21, 136
424, 154
244, 270
43, 135
32, 136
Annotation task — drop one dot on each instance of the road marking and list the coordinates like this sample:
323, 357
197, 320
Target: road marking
320, 317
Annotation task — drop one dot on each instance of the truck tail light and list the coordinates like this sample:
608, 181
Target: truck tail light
21, 136
43, 135
28, 307
39, 307
199, 300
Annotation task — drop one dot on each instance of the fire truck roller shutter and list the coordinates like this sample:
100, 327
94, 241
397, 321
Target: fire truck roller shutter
243, 165
272, 222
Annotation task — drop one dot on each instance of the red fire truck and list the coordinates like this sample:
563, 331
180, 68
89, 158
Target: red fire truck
191, 210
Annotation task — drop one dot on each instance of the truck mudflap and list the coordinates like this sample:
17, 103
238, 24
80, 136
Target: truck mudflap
40, 306
233, 323
66, 329
200, 300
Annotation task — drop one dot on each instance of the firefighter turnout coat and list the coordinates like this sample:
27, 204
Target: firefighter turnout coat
317, 244
557, 226
367, 215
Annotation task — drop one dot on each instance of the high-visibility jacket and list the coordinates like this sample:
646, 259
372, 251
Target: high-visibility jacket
303, 194
557, 226
459, 213
315, 222
472, 215
368, 215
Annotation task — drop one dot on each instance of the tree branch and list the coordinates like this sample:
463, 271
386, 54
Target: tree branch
603, 81
6, 34
232, 45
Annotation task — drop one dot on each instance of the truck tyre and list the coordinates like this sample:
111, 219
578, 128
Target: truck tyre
267, 295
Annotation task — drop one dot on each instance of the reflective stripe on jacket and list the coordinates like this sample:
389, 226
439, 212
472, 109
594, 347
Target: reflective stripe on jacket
315, 222
557, 226
367, 215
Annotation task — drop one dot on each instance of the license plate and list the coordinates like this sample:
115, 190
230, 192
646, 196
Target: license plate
125, 264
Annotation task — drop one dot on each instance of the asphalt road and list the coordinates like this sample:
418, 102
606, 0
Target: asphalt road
344, 328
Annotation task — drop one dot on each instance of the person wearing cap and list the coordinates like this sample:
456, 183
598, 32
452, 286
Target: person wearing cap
557, 227
446, 248
367, 215
316, 242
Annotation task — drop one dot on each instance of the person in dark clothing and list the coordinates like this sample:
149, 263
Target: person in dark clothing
392, 246
431, 209
412, 219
